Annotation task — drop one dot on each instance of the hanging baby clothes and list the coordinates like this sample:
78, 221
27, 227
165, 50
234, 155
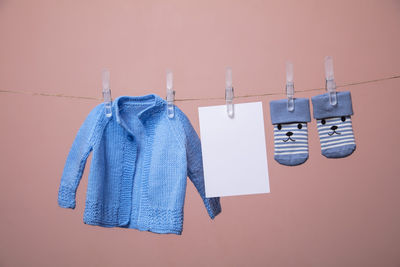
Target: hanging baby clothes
139, 168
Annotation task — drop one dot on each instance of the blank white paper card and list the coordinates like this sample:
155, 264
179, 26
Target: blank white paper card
234, 150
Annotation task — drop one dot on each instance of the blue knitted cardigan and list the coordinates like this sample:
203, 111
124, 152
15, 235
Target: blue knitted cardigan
139, 167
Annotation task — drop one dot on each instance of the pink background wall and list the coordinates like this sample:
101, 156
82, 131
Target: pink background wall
341, 212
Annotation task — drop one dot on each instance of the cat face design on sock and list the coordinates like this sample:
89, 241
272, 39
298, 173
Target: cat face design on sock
336, 136
289, 132
291, 143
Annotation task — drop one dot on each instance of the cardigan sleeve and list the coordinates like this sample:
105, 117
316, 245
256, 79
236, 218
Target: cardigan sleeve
195, 169
76, 160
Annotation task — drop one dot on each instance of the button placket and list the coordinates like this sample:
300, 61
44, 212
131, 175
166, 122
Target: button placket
128, 172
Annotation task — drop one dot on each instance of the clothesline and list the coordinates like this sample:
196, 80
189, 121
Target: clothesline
198, 99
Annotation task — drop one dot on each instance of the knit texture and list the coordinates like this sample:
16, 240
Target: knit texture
139, 168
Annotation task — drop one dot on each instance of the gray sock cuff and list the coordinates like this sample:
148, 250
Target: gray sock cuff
280, 114
322, 108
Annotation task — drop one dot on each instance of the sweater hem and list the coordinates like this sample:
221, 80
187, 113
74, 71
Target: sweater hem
153, 230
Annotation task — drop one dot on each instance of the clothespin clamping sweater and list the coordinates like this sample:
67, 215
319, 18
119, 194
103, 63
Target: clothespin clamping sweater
107, 92
170, 95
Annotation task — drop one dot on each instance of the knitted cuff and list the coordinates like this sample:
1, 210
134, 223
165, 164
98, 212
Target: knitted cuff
66, 197
322, 108
280, 113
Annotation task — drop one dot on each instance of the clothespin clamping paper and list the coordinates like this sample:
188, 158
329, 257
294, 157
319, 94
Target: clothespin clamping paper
106, 92
229, 92
170, 95
289, 85
330, 80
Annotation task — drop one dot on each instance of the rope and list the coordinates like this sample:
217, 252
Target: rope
197, 99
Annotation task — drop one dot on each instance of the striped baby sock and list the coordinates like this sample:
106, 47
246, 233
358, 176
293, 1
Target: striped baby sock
334, 125
290, 131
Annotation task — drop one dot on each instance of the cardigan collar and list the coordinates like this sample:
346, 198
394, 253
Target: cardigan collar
156, 104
